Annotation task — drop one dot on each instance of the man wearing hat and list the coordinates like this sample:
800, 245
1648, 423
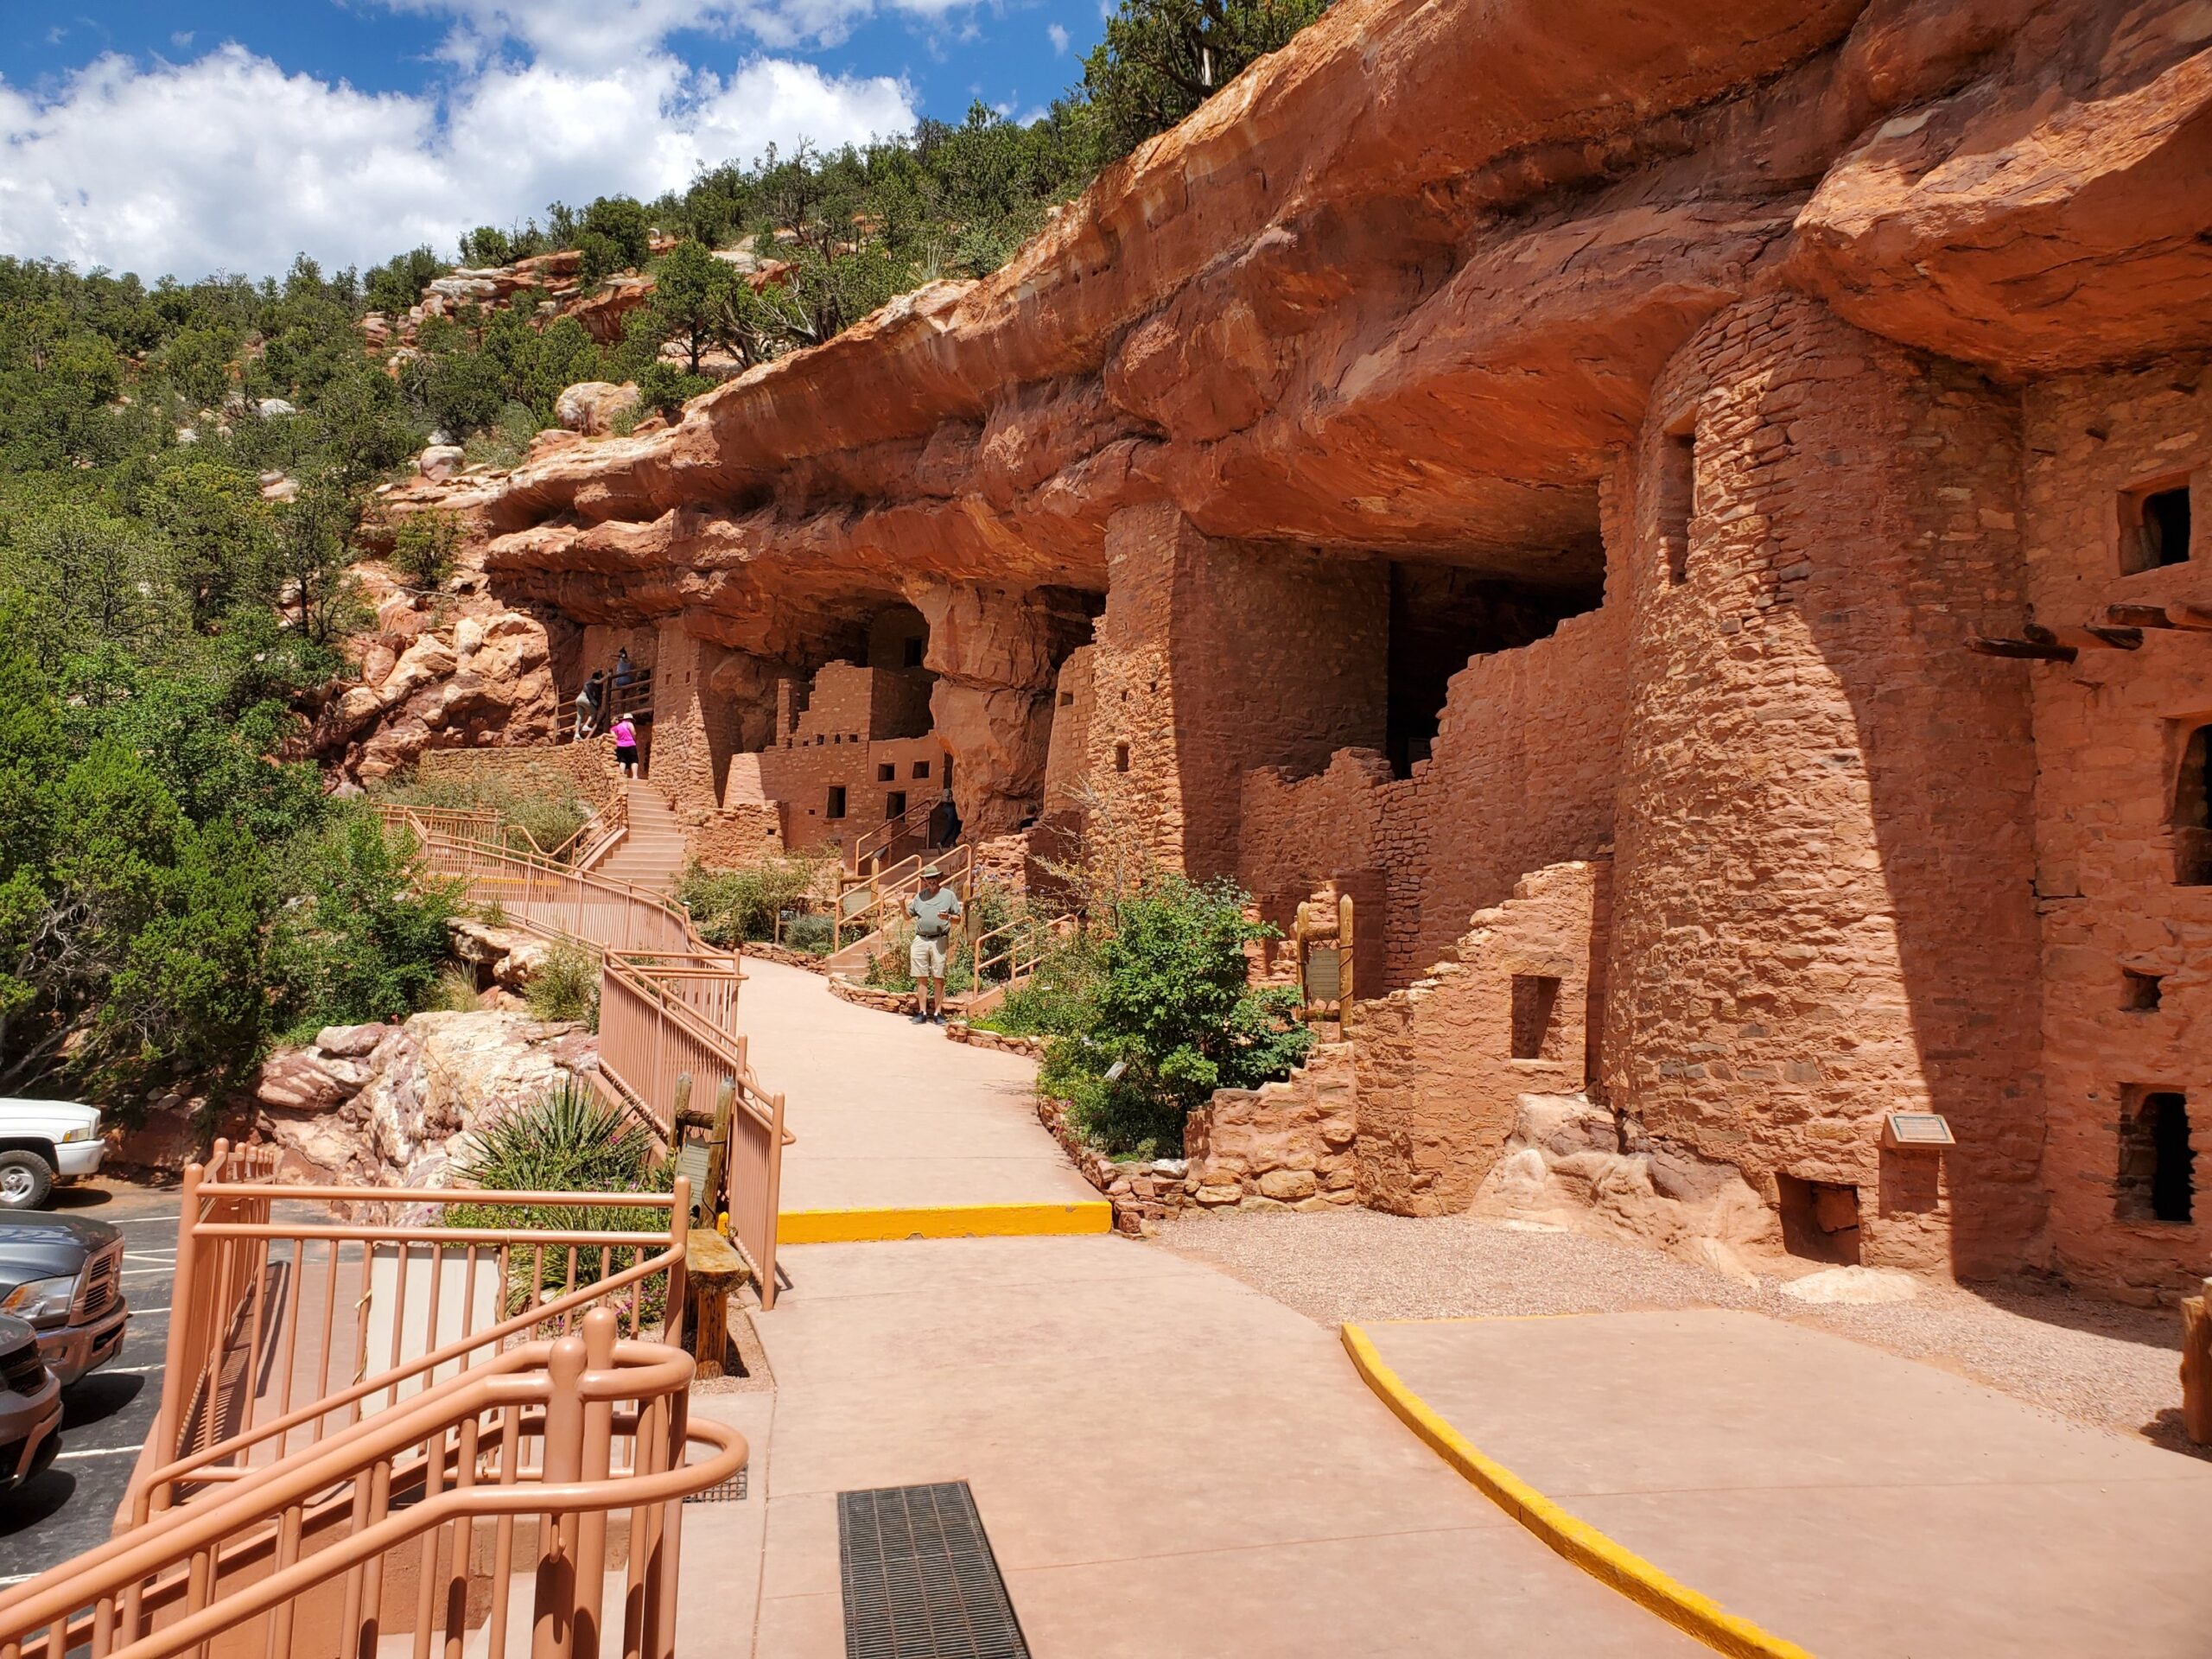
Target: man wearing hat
933, 910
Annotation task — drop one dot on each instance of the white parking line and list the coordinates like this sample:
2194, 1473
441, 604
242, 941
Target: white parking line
147, 1273
100, 1451
149, 1256
126, 1370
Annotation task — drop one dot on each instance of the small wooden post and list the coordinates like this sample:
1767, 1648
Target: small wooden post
714, 1272
2196, 1366
716, 1199
1344, 963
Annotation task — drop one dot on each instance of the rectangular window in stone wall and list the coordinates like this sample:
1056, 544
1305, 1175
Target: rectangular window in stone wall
1535, 1003
2192, 812
836, 809
2158, 1165
2140, 992
1677, 500
2155, 527
921, 768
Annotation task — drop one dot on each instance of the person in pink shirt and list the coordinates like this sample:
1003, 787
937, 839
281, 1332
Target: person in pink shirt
625, 746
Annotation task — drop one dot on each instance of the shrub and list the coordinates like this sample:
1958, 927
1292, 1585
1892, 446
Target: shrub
566, 986
1168, 1016
544, 805
569, 1139
730, 906
455, 992
811, 933
424, 547
363, 937
504, 442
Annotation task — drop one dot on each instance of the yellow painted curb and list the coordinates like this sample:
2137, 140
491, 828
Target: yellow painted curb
1609, 1562
945, 1221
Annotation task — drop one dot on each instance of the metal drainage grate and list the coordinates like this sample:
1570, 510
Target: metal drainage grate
920, 1579
727, 1491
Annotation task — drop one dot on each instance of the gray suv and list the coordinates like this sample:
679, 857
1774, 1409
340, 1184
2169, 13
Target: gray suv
31, 1406
62, 1275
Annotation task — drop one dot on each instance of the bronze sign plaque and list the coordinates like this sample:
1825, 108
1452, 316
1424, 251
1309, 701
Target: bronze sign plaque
1904, 1130
1323, 978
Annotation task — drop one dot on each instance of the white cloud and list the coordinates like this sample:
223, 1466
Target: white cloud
1058, 36
181, 39
227, 162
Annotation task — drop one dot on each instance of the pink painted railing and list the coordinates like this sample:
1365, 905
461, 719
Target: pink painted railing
667, 1012
280, 1332
417, 1522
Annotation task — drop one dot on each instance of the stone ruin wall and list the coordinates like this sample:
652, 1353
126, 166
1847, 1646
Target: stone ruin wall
2112, 727
1820, 316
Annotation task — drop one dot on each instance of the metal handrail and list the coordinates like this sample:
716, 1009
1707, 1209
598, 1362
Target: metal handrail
666, 1015
888, 890
242, 1287
458, 1451
888, 834
1027, 942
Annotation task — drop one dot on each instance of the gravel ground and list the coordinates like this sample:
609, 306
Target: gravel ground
2091, 1362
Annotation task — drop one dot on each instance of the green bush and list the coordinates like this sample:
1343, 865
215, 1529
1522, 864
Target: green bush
1169, 1004
546, 806
569, 1139
730, 906
364, 937
424, 547
566, 986
454, 992
811, 933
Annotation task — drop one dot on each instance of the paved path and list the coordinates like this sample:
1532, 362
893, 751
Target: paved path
890, 1115
1846, 1499
1168, 1463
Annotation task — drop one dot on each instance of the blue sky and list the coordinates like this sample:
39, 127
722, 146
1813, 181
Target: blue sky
190, 137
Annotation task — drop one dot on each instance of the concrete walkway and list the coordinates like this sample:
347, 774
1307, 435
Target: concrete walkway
1167, 1463
890, 1115
1848, 1500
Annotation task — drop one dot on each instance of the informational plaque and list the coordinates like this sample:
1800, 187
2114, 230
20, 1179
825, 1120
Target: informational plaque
1323, 973
1916, 1131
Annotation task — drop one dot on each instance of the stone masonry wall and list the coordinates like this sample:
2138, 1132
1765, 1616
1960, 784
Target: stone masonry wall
1824, 874
2111, 734
1287, 1144
1523, 774
1443, 1063
1215, 657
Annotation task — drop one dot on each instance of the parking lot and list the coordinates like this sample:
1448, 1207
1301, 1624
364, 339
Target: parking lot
106, 1414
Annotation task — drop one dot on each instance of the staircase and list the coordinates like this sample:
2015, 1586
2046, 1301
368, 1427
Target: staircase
651, 855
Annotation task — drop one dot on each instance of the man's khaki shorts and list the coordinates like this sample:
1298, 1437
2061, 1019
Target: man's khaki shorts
926, 959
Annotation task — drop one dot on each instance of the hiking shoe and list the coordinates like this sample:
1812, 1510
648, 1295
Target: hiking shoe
938, 1018
919, 1017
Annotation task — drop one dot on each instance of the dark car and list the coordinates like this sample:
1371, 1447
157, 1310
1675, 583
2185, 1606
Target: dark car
30, 1404
62, 1275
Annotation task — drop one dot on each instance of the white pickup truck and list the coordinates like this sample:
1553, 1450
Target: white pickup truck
42, 1141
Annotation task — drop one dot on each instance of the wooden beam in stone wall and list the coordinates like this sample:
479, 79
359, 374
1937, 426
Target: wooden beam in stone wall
2029, 649
2181, 614
2085, 638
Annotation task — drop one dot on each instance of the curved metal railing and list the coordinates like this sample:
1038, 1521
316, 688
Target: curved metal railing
305, 1557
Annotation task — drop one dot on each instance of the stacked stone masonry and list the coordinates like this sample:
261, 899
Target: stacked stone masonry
1647, 505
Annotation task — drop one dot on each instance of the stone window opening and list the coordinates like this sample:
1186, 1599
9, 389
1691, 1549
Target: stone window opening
2192, 812
1678, 498
895, 804
885, 771
921, 768
836, 806
913, 652
1535, 1010
1121, 757
2158, 1165
1067, 699
1820, 1220
2140, 992
2155, 526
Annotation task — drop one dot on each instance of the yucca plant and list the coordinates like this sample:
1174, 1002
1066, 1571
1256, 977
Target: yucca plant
569, 1139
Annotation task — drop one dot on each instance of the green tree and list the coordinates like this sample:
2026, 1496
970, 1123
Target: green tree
1161, 58
314, 559
218, 531
623, 221
692, 300
425, 544
366, 933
